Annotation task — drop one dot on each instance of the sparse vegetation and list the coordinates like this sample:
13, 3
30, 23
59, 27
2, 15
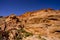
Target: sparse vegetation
22, 34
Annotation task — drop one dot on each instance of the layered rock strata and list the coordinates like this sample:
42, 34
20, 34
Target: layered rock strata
37, 25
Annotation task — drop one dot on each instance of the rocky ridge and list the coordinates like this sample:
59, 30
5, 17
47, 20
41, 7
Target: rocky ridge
37, 25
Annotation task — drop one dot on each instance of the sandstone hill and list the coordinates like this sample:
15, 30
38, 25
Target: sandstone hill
37, 25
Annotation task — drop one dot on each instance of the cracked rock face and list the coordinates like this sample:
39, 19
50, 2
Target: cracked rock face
37, 25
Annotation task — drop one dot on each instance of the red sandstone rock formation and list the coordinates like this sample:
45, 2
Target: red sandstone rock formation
37, 25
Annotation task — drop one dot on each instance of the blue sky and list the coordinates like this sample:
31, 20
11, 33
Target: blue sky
19, 7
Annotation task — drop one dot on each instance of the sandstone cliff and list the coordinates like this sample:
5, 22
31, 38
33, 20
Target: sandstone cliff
37, 25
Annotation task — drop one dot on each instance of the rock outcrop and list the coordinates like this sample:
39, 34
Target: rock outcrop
37, 25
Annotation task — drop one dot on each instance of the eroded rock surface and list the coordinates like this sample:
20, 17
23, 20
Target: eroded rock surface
37, 25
